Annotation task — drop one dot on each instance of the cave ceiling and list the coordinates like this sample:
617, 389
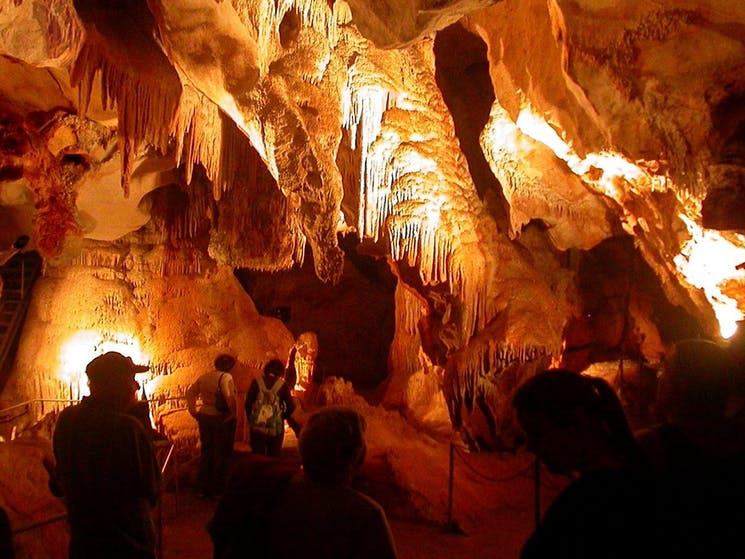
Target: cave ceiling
475, 144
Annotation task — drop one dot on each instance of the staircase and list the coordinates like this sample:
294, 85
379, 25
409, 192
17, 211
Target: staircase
19, 275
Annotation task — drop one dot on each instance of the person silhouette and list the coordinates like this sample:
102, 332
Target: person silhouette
576, 426
329, 519
106, 467
698, 451
6, 536
268, 404
216, 390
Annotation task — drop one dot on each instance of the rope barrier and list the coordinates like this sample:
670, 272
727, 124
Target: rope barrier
534, 468
510, 477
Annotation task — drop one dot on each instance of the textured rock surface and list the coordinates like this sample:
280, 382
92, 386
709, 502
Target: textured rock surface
487, 150
25, 496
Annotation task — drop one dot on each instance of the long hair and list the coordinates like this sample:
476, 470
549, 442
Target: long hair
558, 394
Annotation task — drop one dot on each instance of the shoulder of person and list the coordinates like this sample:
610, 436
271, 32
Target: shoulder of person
211, 378
129, 421
67, 415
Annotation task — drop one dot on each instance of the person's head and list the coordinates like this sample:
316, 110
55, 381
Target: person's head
332, 444
698, 379
275, 368
111, 377
224, 362
573, 422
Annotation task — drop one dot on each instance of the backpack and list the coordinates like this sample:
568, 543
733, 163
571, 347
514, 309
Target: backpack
221, 404
266, 413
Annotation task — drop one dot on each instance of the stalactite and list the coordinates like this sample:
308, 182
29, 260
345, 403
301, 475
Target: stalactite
266, 17
484, 375
185, 261
95, 257
65, 34
362, 113
161, 368
205, 135
409, 175
146, 105
316, 14
254, 229
197, 132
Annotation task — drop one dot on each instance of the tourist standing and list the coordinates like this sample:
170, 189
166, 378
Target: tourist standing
217, 420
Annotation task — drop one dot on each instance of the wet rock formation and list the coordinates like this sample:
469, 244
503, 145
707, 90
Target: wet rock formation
498, 156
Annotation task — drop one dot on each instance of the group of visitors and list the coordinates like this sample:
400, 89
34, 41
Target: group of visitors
108, 475
269, 403
674, 490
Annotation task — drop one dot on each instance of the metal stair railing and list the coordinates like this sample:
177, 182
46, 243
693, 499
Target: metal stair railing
18, 275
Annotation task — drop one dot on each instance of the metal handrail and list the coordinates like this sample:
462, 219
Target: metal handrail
159, 526
167, 461
35, 525
19, 313
156, 400
35, 400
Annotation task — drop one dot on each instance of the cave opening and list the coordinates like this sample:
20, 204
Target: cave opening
353, 320
462, 75
624, 313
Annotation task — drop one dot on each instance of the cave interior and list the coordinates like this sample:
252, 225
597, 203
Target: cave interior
440, 198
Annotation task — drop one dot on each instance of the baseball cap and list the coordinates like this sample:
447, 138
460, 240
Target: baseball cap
112, 365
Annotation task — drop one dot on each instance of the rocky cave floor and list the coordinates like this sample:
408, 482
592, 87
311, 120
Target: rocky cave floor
495, 532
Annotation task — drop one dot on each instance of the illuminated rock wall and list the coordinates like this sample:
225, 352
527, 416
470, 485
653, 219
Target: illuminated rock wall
177, 324
25, 497
243, 132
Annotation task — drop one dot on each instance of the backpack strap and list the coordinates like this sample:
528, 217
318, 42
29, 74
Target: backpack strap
277, 386
262, 385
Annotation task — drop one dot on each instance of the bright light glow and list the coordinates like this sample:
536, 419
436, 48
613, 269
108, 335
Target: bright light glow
77, 352
706, 261
612, 165
536, 127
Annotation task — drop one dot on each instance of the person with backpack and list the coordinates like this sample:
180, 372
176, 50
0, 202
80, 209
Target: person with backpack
217, 420
268, 403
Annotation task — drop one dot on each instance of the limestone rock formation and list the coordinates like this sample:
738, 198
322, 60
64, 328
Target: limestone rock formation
489, 152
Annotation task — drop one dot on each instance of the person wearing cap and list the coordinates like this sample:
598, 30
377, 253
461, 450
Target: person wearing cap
106, 466
216, 426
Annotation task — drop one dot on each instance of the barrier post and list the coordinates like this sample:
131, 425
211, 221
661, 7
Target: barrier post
450, 486
537, 491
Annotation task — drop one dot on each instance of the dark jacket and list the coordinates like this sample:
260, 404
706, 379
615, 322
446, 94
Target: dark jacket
110, 479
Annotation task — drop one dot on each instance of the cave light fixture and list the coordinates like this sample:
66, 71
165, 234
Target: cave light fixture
707, 260
83, 346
